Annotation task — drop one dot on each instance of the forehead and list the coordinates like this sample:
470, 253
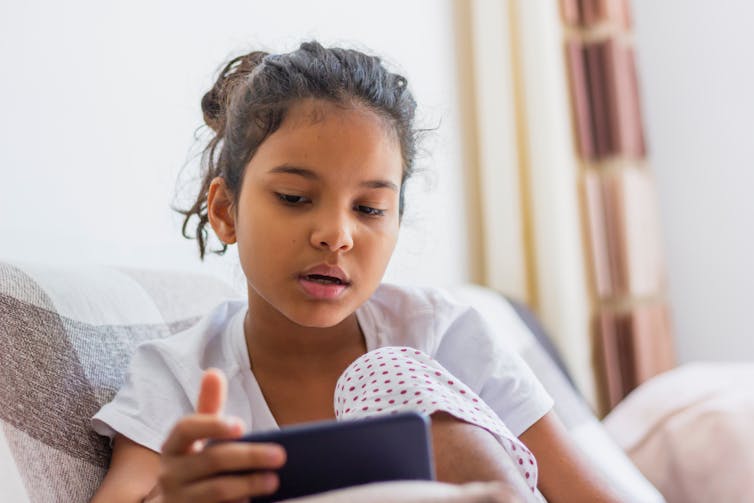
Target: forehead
347, 141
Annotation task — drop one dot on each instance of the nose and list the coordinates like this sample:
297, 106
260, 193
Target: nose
332, 232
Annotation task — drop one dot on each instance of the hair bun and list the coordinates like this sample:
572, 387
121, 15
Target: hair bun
214, 101
212, 109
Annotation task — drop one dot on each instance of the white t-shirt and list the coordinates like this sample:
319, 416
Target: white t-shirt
163, 379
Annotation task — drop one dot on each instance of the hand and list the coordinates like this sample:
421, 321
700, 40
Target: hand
190, 471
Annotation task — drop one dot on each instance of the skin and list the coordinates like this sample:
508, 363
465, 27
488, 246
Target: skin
343, 168
322, 189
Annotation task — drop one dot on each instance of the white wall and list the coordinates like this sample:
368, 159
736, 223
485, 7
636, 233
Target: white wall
100, 100
697, 76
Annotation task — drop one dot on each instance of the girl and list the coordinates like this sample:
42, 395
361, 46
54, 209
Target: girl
306, 174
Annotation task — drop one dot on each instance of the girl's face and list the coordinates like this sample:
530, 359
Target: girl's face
317, 217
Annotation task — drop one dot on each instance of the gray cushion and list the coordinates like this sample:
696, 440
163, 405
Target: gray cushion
67, 335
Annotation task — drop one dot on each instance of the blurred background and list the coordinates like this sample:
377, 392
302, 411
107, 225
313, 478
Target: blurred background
101, 130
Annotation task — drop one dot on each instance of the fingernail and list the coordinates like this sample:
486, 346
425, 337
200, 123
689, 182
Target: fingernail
197, 445
234, 424
270, 481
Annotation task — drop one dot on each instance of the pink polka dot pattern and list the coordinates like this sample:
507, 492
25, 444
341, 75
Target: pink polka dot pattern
402, 379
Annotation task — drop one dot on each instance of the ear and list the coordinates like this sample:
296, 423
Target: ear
220, 211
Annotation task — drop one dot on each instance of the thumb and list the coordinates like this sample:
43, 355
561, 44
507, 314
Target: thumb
212, 393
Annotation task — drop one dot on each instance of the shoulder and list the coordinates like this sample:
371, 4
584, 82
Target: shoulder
176, 363
203, 342
164, 376
413, 316
406, 300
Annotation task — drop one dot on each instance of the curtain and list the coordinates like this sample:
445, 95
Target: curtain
564, 198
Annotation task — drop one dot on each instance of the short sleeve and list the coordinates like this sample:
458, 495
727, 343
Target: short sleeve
471, 350
148, 404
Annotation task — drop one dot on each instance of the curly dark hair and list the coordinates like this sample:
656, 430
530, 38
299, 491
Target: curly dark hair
253, 93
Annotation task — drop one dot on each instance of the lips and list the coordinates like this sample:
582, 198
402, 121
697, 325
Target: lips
326, 274
324, 282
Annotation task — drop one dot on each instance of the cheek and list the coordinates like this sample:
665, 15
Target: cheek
262, 241
382, 246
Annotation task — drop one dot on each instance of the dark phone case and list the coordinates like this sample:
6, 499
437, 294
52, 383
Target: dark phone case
329, 455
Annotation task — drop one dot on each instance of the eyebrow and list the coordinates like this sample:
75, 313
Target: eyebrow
311, 175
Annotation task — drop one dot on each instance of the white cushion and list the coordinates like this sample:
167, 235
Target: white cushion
691, 431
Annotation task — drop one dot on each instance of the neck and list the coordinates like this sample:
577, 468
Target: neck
278, 345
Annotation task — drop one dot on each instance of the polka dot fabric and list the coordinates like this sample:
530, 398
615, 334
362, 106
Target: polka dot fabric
389, 380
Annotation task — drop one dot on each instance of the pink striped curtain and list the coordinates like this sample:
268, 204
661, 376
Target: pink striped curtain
632, 337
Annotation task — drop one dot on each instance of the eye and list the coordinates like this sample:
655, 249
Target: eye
369, 211
291, 199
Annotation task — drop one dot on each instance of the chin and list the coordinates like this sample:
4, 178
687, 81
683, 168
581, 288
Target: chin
319, 317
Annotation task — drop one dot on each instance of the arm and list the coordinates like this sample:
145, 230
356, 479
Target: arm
464, 452
565, 475
132, 473
186, 470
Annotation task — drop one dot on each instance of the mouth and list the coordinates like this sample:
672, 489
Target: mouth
323, 286
324, 279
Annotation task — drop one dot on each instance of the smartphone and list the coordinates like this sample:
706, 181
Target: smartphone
327, 455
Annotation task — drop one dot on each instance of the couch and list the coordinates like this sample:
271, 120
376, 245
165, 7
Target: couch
67, 334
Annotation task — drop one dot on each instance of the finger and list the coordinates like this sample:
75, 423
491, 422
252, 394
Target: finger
223, 458
199, 427
232, 487
212, 392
